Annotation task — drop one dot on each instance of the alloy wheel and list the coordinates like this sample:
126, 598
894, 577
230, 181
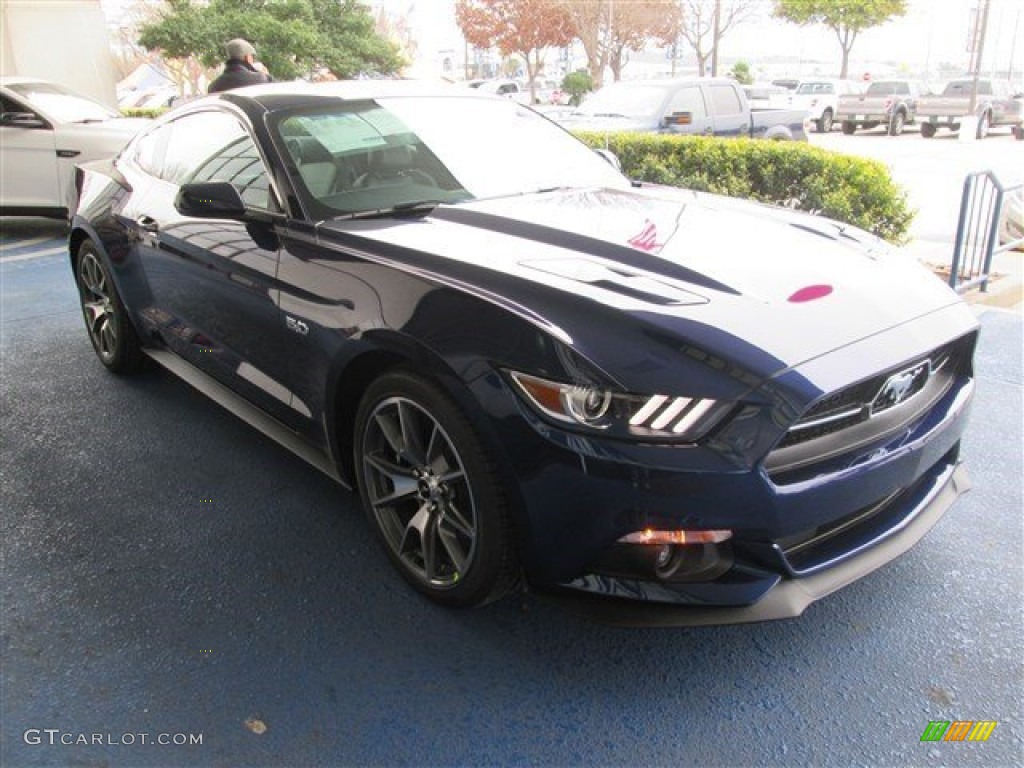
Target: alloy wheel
419, 492
98, 306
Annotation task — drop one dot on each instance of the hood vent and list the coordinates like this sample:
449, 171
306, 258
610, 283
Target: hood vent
616, 279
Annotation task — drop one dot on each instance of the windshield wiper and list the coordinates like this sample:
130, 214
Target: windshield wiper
411, 209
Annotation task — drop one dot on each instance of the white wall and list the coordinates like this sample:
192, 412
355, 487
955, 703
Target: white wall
61, 40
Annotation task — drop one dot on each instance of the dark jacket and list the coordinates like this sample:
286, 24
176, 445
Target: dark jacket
237, 74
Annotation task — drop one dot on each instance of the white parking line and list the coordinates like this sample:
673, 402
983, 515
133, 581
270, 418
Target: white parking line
17, 244
63, 249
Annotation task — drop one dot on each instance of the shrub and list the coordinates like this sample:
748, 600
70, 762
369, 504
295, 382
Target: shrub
143, 111
853, 190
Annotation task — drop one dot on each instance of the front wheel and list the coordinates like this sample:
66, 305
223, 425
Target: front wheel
927, 130
106, 319
824, 125
432, 493
849, 127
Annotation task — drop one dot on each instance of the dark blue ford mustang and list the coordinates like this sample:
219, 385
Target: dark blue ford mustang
688, 409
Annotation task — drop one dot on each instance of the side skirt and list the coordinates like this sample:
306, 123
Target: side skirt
246, 411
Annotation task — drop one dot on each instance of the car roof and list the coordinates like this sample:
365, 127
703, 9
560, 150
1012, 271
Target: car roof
19, 80
349, 90
667, 82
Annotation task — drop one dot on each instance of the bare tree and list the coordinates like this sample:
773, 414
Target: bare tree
706, 22
609, 28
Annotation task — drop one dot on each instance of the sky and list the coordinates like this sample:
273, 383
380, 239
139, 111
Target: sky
932, 32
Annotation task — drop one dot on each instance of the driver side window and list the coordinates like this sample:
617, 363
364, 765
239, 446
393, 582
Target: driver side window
208, 146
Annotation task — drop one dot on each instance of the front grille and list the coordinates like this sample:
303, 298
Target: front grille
858, 403
859, 417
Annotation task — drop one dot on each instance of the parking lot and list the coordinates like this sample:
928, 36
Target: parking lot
168, 572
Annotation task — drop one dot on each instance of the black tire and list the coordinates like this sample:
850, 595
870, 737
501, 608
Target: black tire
896, 124
849, 127
927, 130
824, 125
431, 492
871, 125
110, 329
984, 123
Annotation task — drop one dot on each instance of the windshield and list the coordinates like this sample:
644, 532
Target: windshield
61, 104
885, 89
625, 100
352, 157
963, 88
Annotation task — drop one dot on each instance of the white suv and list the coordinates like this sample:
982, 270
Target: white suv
820, 97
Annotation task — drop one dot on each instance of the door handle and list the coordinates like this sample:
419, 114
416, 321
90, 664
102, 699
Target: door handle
148, 224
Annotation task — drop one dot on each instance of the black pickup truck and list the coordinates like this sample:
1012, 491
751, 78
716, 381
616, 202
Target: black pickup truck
701, 106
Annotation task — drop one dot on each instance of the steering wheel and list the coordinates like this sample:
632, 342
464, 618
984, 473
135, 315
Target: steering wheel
375, 179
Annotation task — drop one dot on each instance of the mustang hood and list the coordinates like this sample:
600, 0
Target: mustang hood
794, 285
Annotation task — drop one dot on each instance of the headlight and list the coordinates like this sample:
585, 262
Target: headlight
619, 414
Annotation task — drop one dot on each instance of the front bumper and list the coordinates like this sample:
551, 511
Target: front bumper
785, 597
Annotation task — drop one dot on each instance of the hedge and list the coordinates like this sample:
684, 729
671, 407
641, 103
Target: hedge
849, 189
143, 111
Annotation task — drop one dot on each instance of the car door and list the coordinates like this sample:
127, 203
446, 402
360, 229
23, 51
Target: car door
28, 171
686, 112
728, 116
214, 281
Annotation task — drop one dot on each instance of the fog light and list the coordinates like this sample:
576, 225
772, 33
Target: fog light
664, 556
649, 536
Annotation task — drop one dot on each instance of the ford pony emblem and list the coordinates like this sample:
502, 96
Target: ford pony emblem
901, 386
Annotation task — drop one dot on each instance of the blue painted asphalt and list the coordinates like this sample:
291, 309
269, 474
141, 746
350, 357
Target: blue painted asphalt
167, 570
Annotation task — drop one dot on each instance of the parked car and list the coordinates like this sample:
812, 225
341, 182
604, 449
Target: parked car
892, 103
532, 369
996, 104
706, 106
789, 83
761, 96
45, 129
820, 98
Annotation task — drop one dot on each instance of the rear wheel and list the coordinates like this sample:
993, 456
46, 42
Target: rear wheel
897, 123
110, 329
431, 492
927, 130
849, 127
824, 125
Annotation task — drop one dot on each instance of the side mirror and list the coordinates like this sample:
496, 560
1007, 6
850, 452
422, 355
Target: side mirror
611, 158
210, 200
22, 120
679, 118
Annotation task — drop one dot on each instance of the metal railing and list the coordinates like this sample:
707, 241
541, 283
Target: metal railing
977, 231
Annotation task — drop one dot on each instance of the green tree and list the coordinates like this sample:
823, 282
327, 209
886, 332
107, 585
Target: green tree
577, 84
847, 18
295, 38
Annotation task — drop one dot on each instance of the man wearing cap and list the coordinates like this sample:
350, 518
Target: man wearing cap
239, 70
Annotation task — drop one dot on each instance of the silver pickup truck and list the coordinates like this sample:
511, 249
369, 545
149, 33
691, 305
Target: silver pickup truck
691, 106
892, 103
996, 104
